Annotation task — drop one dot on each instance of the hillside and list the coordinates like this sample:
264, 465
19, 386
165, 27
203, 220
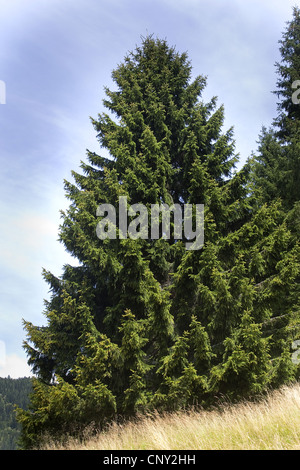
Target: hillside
272, 423
12, 392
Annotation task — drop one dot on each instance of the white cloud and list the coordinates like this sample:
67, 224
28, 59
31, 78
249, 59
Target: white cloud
15, 367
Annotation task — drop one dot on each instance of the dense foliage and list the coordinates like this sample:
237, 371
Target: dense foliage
144, 323
13, 392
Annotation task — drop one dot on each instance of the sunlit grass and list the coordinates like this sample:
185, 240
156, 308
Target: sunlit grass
272, 423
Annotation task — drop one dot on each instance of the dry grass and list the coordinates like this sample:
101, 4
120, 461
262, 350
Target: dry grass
270, 424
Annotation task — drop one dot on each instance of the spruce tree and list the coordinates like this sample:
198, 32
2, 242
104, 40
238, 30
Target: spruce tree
288, 70
275, 175
277, 163
145, 323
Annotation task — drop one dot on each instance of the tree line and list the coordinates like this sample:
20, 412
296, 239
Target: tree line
143, 324
13, 392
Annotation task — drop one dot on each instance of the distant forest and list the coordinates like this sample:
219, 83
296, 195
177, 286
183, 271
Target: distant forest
12, 392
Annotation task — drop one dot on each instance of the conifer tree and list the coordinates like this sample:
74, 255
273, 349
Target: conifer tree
288, 70
277, 163
275, 175
144, 323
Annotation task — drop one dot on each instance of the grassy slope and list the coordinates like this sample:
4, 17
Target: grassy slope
271, 424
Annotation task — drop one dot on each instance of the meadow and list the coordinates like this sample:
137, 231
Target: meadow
270, 423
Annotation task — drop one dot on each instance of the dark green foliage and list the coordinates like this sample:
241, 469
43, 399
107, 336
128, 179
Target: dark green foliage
146, 324
275, 175
288, 70
13, 392
277, 164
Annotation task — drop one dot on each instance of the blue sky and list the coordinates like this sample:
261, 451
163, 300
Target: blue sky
56, 57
